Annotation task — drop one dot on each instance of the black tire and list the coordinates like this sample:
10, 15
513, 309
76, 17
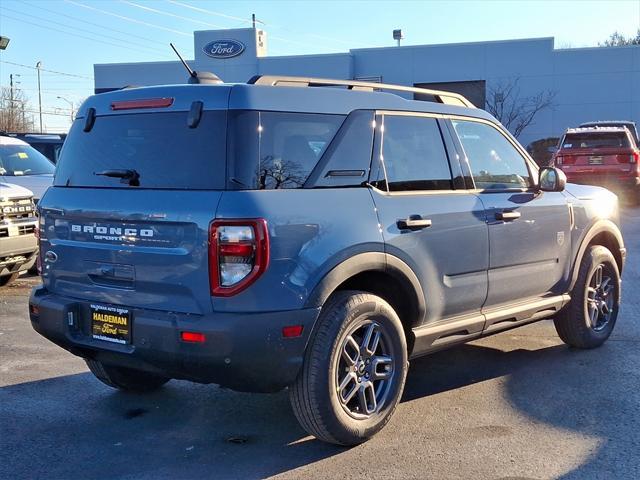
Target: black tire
574, 323
7, 279
316, 397
126, 379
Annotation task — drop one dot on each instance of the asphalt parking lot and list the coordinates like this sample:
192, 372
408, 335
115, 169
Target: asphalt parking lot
516, 405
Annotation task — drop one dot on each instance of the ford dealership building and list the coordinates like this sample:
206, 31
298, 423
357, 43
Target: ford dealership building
601, 83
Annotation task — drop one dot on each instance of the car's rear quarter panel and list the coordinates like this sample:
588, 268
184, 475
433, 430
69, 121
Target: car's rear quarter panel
310, 233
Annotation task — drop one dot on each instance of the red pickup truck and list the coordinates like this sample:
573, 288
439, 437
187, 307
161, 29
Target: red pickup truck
606, 156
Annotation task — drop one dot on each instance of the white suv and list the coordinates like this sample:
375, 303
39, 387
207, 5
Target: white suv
18, 222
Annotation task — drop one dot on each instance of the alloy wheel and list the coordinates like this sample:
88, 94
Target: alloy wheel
365, 369
601, 298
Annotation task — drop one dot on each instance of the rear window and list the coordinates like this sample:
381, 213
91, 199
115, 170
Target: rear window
595, 140
21, 160
277, 150
160, 147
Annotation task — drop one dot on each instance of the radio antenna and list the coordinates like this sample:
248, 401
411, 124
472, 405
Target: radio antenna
191, 72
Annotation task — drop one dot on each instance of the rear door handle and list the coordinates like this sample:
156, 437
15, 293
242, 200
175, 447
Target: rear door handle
414, 222
508, 216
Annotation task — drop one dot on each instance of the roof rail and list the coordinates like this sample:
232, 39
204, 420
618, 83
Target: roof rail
440, 96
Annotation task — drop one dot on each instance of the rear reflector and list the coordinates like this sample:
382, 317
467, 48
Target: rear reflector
144, 103
237, 249
33, 309
193, 337
292, 331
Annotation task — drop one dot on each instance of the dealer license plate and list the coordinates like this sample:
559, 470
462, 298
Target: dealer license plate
111, 324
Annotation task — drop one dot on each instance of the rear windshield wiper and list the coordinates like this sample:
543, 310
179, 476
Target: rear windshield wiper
127, 176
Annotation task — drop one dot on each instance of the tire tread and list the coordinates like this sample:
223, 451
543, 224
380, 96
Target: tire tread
304, 397
569, 322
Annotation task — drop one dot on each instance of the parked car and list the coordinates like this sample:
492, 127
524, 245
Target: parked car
49, 144
607, 156
18, 245
23, 165
292, 232
631, 126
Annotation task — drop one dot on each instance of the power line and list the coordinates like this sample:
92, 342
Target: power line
128, 19
45, 70
210, 12
160, 12
31, 89
296, 42
56, 111
146, 39
63, 31
128, 46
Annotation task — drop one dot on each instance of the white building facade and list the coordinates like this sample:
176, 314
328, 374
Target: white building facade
601, 83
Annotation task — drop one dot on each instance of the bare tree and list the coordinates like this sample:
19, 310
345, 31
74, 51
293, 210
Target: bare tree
516, 112
13, 111
275, 173
618, 40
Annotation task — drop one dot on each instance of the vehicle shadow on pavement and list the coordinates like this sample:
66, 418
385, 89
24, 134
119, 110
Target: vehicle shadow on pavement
590, 392
73, 426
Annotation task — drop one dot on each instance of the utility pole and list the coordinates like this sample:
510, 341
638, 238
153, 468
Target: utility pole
9, 125
253, 20
38, 66
12, 100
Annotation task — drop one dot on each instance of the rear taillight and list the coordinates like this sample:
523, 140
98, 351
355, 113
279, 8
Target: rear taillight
634, 157
238, 254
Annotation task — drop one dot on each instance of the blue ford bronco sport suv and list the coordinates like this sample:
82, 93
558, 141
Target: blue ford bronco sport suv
311, 234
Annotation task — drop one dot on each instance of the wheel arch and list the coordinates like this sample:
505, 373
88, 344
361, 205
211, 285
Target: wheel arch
383, 275
605, 233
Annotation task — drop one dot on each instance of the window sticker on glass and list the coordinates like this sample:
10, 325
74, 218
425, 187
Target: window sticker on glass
567, 145
22, 155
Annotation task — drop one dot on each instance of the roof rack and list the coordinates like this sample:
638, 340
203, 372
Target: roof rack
595, 128
440, 96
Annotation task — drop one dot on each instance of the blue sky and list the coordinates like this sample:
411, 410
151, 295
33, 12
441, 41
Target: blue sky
69, 36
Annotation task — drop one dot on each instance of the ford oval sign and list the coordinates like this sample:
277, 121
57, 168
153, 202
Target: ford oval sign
224, 48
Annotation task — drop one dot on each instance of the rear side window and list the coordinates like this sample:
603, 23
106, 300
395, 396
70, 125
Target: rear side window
277, 150
160, 147
413, 154
574, 141
495, 162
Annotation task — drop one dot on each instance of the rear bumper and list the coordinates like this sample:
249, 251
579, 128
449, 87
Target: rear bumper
613, 182
245, 352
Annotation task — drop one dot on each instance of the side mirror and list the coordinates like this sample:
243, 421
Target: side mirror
551, 179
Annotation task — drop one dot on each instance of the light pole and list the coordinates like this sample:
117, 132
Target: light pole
38, 66
70, 104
